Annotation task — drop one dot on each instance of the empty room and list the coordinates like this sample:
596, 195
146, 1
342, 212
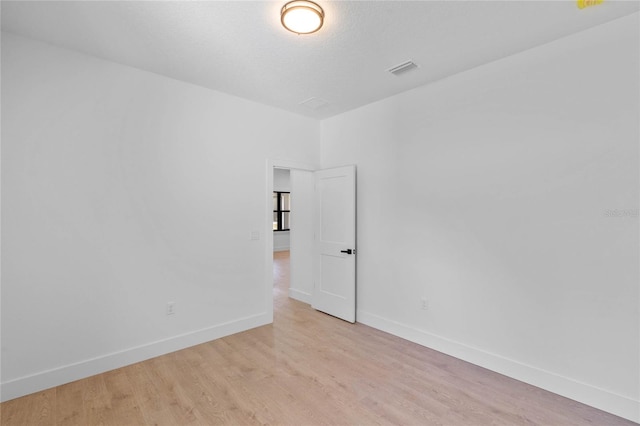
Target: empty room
320, 212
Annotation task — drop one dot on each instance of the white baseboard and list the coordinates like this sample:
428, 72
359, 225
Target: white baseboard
604, 400
281, 249
69, 373
300, 295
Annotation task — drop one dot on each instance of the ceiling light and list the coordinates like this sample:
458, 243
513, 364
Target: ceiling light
302, 16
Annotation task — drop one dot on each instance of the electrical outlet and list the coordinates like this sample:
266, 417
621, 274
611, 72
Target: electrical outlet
424, 304
171, 308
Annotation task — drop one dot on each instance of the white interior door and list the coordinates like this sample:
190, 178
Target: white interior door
334, 289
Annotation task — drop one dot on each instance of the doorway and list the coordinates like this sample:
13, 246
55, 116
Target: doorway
299, 240
331, 286
281, 232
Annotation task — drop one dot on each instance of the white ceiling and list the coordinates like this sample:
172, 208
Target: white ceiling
240, 48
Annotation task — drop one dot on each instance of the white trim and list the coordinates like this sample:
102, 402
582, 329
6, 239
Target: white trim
90, 367
582, 392
268, 240
288, 164
300, 295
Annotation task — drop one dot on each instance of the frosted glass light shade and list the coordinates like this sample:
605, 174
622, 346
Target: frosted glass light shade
302, 16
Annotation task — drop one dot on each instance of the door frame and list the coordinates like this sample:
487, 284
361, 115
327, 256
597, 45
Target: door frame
268, 226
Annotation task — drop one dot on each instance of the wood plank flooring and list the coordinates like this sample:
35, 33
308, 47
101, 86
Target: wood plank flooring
306, 369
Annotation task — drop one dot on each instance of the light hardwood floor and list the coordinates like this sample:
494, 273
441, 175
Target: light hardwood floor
306, 369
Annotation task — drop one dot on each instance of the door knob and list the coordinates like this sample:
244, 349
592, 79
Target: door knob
348, 251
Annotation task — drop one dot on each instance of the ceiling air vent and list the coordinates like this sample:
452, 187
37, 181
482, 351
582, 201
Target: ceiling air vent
314, 103
402, 68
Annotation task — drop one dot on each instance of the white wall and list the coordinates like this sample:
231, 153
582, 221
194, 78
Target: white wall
281, 241
121, 191
281, 182
488, 193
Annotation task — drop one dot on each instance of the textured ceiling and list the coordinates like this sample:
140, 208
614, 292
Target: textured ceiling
239, 47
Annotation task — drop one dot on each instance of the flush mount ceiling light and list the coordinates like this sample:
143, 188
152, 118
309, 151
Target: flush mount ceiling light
302, 16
